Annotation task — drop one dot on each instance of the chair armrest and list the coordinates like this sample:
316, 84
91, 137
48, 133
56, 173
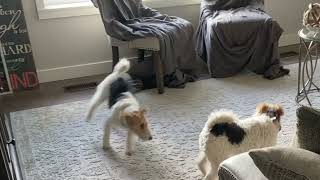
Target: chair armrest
240, 167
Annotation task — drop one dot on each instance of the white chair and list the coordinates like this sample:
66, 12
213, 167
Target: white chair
149, 44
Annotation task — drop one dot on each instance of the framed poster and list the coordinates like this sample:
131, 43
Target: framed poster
5, 85
16, 46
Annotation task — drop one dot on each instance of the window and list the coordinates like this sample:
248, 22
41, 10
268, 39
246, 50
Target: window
60, 2
48, 9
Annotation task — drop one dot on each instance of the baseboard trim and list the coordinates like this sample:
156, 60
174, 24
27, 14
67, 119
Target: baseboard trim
70, 72
289, 39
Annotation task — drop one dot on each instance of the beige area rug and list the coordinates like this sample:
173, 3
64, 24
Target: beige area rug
56, 143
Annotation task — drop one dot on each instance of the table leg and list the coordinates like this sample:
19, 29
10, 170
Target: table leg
306, 71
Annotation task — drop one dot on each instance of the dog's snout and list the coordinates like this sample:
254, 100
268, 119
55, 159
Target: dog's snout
150, 138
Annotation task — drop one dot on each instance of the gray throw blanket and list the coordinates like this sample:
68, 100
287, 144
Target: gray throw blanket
129, 19
238, 34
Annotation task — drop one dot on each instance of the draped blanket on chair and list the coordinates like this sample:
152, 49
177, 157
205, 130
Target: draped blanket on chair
129, 19
237, 34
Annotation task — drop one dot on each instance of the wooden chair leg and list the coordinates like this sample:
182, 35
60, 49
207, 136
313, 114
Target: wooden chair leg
158, 67
115, 55
140, 55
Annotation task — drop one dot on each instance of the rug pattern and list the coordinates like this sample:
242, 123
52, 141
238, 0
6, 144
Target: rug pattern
56, 143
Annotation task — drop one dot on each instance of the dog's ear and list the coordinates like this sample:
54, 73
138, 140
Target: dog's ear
280, 110
262, 108
132, 118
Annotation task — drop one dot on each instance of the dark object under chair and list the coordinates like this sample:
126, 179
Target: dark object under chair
157, 64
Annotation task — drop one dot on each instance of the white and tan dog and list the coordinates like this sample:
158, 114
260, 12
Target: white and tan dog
224, 135
125, 109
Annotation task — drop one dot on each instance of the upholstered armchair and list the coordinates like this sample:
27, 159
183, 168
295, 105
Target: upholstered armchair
130, 24
234, 35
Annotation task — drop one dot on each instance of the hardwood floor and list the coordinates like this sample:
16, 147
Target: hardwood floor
48, 94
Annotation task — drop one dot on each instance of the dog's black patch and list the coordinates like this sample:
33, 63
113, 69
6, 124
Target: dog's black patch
117, 89
234, 132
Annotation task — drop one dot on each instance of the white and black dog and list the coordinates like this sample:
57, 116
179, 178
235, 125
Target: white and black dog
224, 135
125, 109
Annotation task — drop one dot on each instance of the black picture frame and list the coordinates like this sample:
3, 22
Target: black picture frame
5, 85
16, 46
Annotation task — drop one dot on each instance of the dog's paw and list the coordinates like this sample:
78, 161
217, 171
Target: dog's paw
129, 153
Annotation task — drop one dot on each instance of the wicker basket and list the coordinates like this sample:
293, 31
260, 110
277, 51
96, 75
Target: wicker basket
311, 17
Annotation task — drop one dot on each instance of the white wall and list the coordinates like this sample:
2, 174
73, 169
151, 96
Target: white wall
78, 46
289, 14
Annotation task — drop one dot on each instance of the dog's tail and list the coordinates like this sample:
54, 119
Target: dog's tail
221, 117
122, 66
103, 89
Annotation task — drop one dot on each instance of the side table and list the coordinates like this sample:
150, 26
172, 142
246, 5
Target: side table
309, 40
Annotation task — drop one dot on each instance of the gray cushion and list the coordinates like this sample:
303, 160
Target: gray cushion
282, 163
308, 129
240, 167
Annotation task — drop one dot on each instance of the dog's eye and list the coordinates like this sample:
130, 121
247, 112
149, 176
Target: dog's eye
142, 126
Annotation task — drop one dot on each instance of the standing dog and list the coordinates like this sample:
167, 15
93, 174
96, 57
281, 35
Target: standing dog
125, 109
224, 135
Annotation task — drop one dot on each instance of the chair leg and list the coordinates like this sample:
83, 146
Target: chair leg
158, 67
140, 55
115, 55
